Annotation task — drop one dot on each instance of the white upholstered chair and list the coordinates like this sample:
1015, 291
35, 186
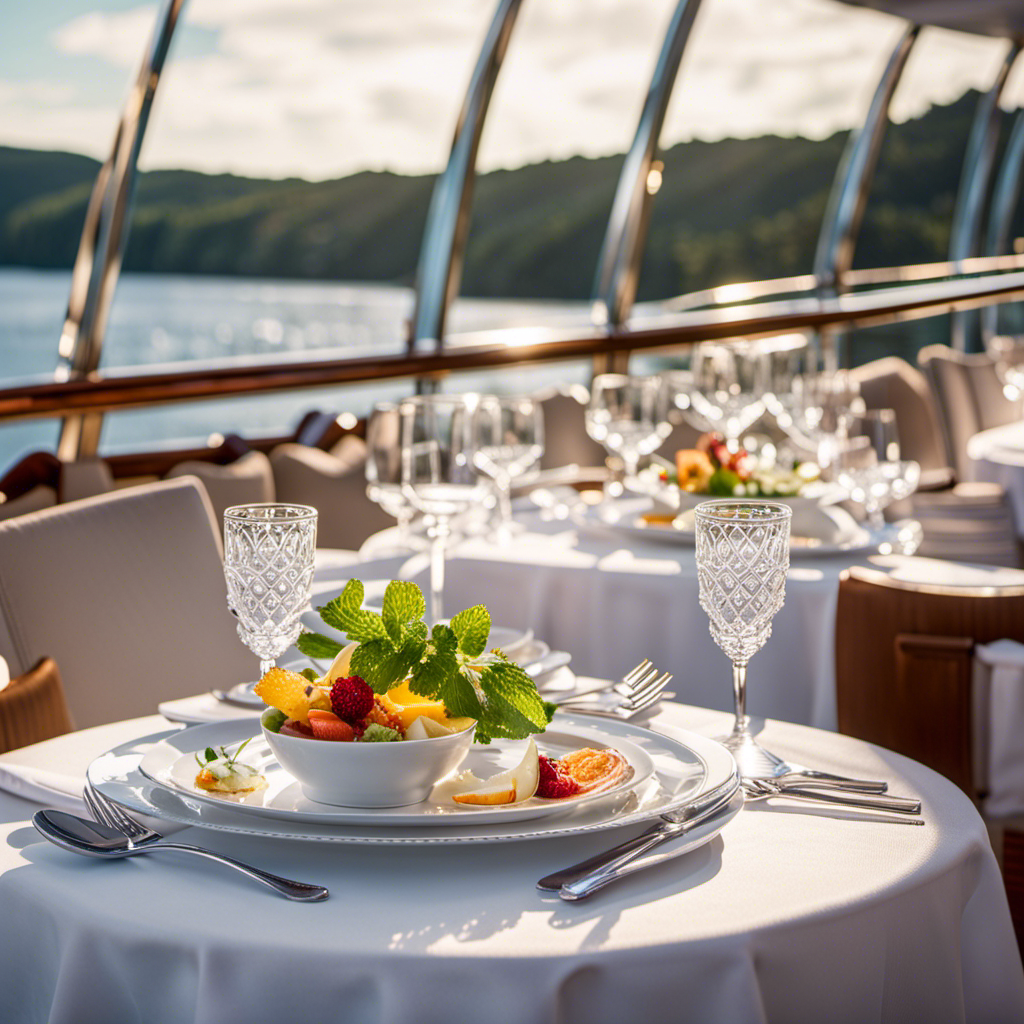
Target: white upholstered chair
247, 480
334, 483
126, 591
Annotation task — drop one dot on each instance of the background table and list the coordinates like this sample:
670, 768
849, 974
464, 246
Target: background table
786, 917
612, 600
997, 457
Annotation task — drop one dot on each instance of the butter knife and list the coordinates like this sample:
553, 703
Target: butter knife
669, 826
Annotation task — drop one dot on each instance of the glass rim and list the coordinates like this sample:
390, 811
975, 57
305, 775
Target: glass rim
627, 378
767, 511
294, 513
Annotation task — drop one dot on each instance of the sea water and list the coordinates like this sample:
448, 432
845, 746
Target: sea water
165, 321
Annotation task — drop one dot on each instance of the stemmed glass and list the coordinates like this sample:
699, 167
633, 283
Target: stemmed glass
742, 561
440, 476
869, 466
629, 416
729, 383
509, 441
1007, 352
820, 408
384, 466
268, 566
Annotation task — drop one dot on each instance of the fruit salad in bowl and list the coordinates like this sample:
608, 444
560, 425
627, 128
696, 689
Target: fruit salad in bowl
399, 707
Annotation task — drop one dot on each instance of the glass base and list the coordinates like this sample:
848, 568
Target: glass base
753, 761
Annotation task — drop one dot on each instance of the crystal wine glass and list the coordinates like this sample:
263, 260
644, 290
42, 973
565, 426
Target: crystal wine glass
821, 407
869, 466
509, 441
742, 561
268, 566
729, 384
440, 476
628, 415
384, 466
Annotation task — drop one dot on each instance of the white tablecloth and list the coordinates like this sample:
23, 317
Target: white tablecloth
997, 456
611, 601
787, 917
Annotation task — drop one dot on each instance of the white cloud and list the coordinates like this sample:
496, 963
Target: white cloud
324, 87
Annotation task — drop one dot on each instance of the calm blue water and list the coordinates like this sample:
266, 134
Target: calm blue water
160, 319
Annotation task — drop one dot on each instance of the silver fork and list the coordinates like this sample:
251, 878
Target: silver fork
143, 839
635, 679
629, 708
759, 789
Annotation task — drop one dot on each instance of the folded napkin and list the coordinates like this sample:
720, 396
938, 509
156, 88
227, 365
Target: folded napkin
1001, 665
51, 789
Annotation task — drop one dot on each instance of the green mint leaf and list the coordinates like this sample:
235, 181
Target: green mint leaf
514, 708
403, 603
310, 674
315, 645
439, 665
346, 613
472, 627
210, 754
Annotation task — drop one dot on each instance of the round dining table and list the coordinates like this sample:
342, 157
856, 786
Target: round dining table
612, 598
791, 914
997, 456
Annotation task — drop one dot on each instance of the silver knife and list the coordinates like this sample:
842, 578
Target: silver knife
669, 826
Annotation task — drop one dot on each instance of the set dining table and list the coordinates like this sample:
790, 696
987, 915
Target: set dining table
997, 456
786, 915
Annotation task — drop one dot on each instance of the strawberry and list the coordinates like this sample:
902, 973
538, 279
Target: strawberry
326, 725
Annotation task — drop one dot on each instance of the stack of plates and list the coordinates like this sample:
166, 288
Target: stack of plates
669, 772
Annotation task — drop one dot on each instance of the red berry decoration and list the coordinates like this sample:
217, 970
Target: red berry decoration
351, 699
554, 783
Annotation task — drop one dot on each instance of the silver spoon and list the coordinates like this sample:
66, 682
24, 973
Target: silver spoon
91, 839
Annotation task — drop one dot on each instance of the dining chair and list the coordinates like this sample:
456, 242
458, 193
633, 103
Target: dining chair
248, 479
334, 483
969, 396
892, 383
33, 707
126, 592
905, 680
566, 441
29, 485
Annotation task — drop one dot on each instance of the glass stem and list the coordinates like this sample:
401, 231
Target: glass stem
739, 689
438, 539
265, 666
504, 499
875, 518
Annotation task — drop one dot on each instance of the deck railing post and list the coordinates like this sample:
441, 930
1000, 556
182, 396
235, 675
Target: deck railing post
104, 236
1005, 194
618, 268
844, 212
447, 228
965, 233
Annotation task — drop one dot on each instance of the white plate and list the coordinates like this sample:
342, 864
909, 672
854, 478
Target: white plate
625, 516
686, 766
172, 764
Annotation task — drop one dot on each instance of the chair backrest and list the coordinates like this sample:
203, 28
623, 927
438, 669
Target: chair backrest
904, 654
566, 441
245, 481
126, 591
84, 478
892, 383
970, 398
334, 483
33, 707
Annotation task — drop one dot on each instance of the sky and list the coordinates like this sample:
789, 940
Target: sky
322, 88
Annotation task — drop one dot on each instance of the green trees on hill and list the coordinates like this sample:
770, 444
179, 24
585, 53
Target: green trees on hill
728, 210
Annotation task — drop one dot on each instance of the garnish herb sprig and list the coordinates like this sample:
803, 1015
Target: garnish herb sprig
211, 755
449, 663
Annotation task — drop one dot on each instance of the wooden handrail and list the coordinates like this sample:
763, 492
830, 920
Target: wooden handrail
508, 346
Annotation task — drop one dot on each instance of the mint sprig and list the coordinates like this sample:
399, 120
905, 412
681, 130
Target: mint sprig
451, 664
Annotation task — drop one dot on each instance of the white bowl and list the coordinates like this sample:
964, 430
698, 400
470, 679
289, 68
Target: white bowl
369, 774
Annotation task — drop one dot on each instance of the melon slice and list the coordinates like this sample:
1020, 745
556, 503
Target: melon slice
503, 793
520, 781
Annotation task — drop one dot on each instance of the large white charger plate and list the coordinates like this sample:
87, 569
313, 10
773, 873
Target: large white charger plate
624, 516
171, 763
686, 767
